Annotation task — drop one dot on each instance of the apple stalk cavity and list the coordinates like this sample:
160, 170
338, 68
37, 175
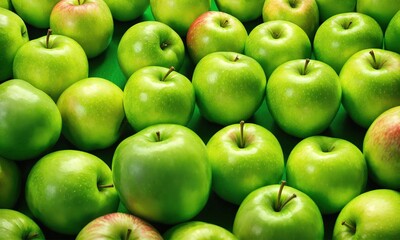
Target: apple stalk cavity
279, 204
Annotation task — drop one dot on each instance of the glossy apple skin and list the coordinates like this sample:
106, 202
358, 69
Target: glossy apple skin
150, 99
150, 43
391, 34
275, 42
331, 171
365, 84
381, 149
10, 181
17, 225
381, 10
336, 40
329, 8
243, 10
6, 4
126, 10
198, 230
35, 12
375, 214
67, 206
237, 170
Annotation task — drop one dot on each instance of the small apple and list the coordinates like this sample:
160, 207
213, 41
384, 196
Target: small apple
66, 189
215, 31
17, 225
243, 10
6, 4
35, 13
391, 34
198, 230
382, 12
127, 10
329, 8
10, 182
150, 43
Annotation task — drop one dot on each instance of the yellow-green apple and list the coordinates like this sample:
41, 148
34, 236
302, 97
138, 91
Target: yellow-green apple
89, 22
7, 4
51, 63
162, 173
303, 96
275, 42
35, 13
126, 10
329, 8
17, 225
30, 122
371, 77
150, 43
198, 230
392, 34
371, 215
381, 149
344, 34
382, 11
155, 94
66, 189
92, 113
10, 182
229, 87
244, 10
215, 31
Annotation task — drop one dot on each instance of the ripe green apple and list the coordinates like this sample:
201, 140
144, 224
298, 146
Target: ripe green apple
13, 34
244, 10
51, 63
155, 94
244, 157
6, 4
371, 77
35, 13
304, 13
381, 149
278, 212
229, 87
178, 14
150, 43
372, 215
17, 225
392, 34
198, 230
30, 122
344, 34
275, 42
162, 173
10, 182
127, 10
329, 8
330, 170
92, 113
215, 31
303, 96
382, 11
89, 22
66, 189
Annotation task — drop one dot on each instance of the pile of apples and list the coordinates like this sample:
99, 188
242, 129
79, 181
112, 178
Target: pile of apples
180, 119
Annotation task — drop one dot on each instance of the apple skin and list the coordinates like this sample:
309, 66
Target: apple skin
229, 87
198, 230
92, 112
17, 225
150, 43
244, 10
381, 149
154, 95
89, 22
366, 82
391, 34
67, 206
239, 168
374, 214
293, 108
35, 13
275, 42
344, 34
53, 67
10, 182
126, 10
115, 225
30, 123
329, 8
176, 195
6, 4
215, 31
381, 10
331, 171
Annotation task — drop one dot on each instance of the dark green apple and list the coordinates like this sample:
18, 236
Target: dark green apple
391, 34
10, 182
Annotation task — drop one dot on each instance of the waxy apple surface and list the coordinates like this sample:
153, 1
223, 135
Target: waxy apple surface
17, 225
127, 10
198, 230
392, 33
382, 11
243, 10
329, 8
35, 13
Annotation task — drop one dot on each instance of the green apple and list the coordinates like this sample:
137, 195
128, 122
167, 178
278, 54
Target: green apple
371, 77
344, 34
89, 22
66, 189
127, 10
381, 149
215, 31
244, 157
119, 226
13, 34
92, 113
51, 63
30, 122
7, 4
35, 13
155, 94
391, 34
150, 43
278, 212
198, 230
244, 10
229, 87
275, 42
382, 11
303, 97
162, 173
16, 225
178, 14
329, 8
10, 182
304, 13
332, 171
372, 215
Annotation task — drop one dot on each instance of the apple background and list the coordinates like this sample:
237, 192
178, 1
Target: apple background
216, 211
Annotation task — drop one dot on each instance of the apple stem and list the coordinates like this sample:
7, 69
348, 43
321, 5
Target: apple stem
106, 186
236, 58
32, 236
279, 205
305, 66
288, 200
241, 145
128, 233
158, 134
224, 23
79, 2
372, 53
348, 25
49, 31
164, 45
171, 69
353, 228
